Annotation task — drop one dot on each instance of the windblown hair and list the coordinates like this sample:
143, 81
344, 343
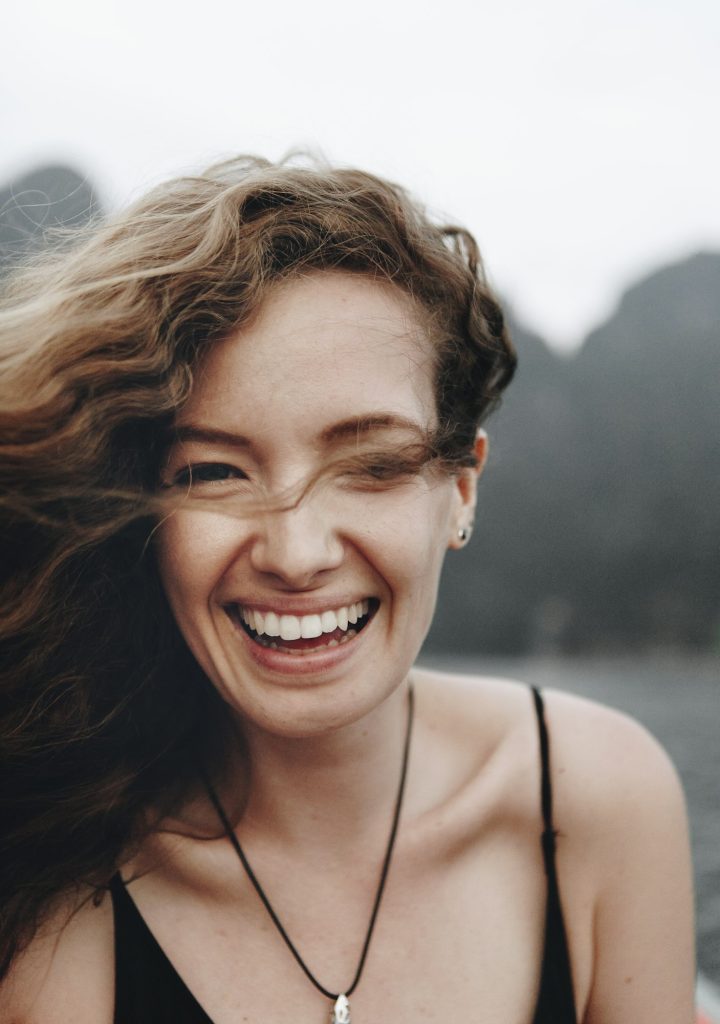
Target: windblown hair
104, 713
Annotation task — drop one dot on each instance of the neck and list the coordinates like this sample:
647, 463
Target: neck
329, 789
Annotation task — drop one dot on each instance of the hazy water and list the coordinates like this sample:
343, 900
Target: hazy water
679, 701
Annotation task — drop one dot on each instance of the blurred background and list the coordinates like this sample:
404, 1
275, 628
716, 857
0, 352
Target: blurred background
578, 141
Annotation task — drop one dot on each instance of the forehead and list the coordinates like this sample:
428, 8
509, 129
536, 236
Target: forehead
322, 347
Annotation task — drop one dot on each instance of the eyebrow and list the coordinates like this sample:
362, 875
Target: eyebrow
358, 426
208, 435
355, 426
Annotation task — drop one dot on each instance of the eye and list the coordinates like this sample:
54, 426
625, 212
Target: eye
207, 473
380, 472
385, 470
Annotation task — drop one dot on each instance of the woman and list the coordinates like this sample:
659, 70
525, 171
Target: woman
242, 428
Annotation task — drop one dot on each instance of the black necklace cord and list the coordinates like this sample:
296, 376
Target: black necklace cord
229, 831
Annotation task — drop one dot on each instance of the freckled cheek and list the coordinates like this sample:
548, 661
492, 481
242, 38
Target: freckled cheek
193, 550
413, 551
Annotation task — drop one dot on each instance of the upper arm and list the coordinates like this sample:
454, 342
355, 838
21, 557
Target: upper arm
67, 971
635, 844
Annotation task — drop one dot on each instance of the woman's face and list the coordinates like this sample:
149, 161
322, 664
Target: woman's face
334, 367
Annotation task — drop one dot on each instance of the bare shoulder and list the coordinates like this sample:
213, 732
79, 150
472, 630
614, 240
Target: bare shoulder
618, 788
608, 769
623, 849
604, 764
67, 971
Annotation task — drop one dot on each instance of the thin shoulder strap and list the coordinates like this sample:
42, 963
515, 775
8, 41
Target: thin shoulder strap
548, 836
545, 783
556, 997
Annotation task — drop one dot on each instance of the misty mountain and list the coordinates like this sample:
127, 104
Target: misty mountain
599, 514
37, 205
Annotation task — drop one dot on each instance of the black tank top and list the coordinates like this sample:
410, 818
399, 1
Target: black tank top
148, 989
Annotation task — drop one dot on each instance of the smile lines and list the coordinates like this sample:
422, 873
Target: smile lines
305, 627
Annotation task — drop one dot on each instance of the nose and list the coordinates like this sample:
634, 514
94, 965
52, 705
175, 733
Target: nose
296, 545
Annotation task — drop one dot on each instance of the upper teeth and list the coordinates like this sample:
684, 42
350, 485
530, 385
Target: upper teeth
293, 627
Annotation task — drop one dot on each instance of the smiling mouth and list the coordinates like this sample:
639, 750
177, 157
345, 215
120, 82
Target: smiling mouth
304, 634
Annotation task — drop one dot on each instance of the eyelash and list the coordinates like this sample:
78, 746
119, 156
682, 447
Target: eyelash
379, 472
193, 474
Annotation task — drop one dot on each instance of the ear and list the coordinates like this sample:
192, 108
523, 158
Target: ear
466, 482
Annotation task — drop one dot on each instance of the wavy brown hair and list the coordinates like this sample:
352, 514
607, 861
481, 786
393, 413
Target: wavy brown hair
104, 713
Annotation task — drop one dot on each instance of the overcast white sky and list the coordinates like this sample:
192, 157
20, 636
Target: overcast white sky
578, 140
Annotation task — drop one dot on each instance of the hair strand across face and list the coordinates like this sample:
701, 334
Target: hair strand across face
99, 344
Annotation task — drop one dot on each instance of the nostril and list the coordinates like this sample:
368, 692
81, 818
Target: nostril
295, 545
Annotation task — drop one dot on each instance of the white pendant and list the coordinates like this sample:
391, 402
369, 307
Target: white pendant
341, 1011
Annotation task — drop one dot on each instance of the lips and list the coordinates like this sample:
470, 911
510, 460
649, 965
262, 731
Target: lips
299, 634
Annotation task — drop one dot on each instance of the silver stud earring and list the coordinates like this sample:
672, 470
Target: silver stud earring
463, 534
